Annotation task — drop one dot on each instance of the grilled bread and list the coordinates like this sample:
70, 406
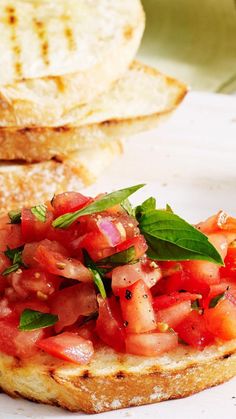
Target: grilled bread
138, 101
28, 184
57, 56
113, 380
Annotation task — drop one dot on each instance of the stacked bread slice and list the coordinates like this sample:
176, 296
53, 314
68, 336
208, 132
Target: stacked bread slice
69, 91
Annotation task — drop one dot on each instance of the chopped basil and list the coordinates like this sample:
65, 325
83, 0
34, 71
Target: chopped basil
195, 305
15, 255
102, 204
39, 212
214, 301
120, 258
33, 320
15, 216
96, 272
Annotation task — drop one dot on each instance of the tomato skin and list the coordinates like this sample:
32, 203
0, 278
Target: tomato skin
110, 325
69, 347
136, 307
88, 331
174, 314
150, 344
221, 320
193, 330
57, 264
72, 302
69, 202
32, 228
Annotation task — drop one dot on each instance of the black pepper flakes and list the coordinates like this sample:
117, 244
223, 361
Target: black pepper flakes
128, 295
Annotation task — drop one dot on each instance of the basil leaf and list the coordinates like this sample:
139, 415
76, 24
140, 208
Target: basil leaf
105, 202
96, 272
32, 320
195, 305
15, 216
98, 282
15, 255
39, 212
12, 268
169, 237
146, 206
214, 301
169, 209
126, 205
120, 258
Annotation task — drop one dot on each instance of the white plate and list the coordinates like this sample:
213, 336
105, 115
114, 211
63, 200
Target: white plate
190, 163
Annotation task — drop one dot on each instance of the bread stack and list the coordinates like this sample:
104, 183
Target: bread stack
69, 91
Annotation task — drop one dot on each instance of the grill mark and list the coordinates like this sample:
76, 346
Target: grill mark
43, 39
69, 34
12, 21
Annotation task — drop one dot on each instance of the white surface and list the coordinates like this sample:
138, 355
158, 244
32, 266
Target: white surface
190, 163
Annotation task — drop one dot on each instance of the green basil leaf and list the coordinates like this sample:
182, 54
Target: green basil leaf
15, 255
98, 282
148, 205
39, 212
15, 216
32, 320
12, 268
120, 258
169, 237
214, 301
195, 305
169, 209
96, 272
127, 206
105, 202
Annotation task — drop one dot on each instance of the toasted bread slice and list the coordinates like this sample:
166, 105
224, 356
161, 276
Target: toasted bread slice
28, 184
137, 102
113, 380
55, 58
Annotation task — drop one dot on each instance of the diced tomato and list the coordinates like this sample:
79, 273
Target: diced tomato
136, 307
72, 302
202, 271
57, 264
193, 330
229, 270
69, 202
175, 314
10, 235
215, 290
15, 342
4, 263
221, 320
32, 228
150, 344
124, 276
27, 282
69, 347
5, 309
139, 244
217, 222
96, 245
88, 331
28, 254
165, 301
31, 303
110, 326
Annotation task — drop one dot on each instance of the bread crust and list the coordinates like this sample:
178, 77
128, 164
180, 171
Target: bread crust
113, 381
104, 119
28, 184
43, 93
